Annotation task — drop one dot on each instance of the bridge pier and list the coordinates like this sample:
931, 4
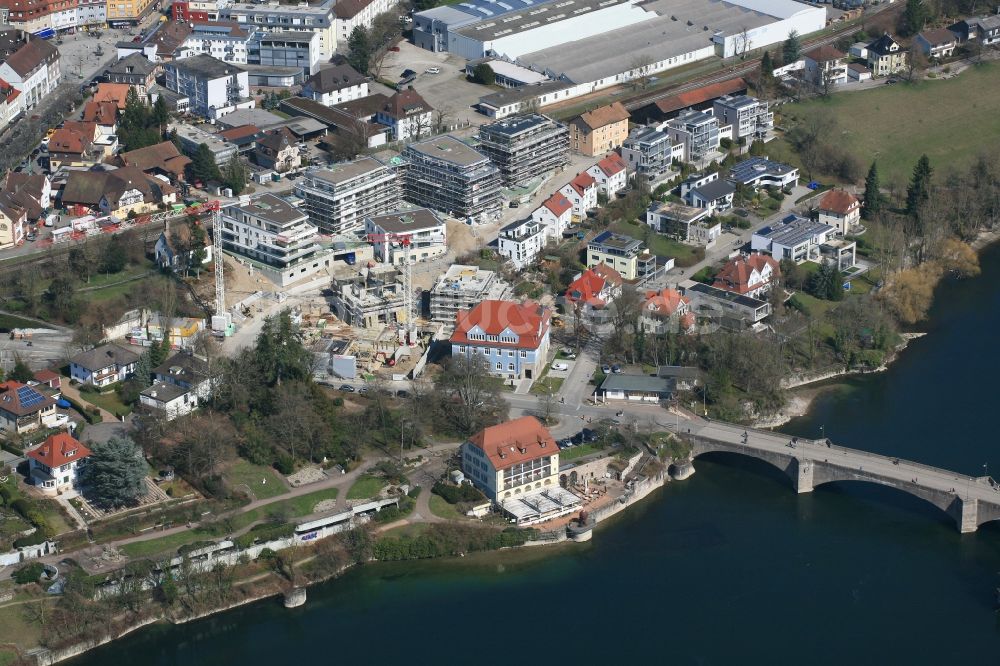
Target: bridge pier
804, 476
968, 520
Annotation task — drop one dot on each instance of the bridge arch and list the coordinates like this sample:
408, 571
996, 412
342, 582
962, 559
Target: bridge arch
947, 506
787, 465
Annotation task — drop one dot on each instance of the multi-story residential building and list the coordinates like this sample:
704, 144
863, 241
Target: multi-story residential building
665, 311
685, 223
13, 217
525, 147
91, 12
512, 459
339, 198
649, 153
351, 14
521, 242
74, 146
407, 116
32, 192
555, 215
708, 191
135, 70
582, 193
984, 29
34, 70
104, 365
698, 132
939, 43
610, 174
886, 56
23, 408
372, 300
286, 48
625, 255
53, 466
197, 10
426, 236
449, 176
748, 116
272, 16
513, 338
462, 288
213, 88
226, 41
599, 131
593, 289
335, 85
278, 149
841, 210
121, 13
273, 232
795, 238
748, 276
761, 172
825, 66
11, 104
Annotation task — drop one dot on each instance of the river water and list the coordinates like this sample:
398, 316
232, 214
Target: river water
728, 567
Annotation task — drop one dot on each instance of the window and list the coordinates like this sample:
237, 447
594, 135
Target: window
499, 366
510, 366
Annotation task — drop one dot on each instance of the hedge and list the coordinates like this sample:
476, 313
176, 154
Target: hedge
265, 532
29, 574
92, 417
456, 494
34, 539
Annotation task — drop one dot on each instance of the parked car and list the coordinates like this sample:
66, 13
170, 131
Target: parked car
363, 389
514, 204
616, 369
565, 443
576, 439
560, 366
408, 73
347, 388
606, 369
432, 70
589, 435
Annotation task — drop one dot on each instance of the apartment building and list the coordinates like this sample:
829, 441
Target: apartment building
286, 48
622, 253
336, 85
685, 223
521, 242
122, 13
34, 70
226, 41
214, 88
610, 174
525, 147
555, 215
426, 236
351, 14
276, 235
747, 115
339, 198
582, 193
372, 300
825, 65
599, 131
133, 70
697, 132
272, 16
648, 152
886, 56
448, 176
462, 288
11, 104
513, 338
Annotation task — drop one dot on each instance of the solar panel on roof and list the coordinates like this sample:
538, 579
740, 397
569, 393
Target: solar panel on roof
29, 397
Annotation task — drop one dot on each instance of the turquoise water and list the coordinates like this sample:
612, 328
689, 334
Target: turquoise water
728, 567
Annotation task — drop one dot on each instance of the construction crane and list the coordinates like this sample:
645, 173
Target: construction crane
221, 318
405, 240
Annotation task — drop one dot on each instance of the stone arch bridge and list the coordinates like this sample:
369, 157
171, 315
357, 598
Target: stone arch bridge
970, 501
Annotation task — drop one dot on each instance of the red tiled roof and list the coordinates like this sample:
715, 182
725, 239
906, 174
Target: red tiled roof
664, 303
58, 450
68, 140
515, 442
605, 115
700, 95
558, 204
824, 53
838, 201
239, 132
529, 321
610, 275
735, 275
587, 289
112, 92
612, 164
10, 399
582, 182
102, 113
47, 376
938, 36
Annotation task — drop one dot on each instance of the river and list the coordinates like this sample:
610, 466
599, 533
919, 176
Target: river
728, 567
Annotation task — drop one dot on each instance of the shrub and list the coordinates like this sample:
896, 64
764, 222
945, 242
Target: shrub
265, 532
455, 494
284, 464
33, 539
29, 574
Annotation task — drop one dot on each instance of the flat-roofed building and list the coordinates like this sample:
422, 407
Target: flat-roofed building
274, 234
698, 132
525, 147
213, 87
648, 152
339, 198
415, 235
622, 253
286, 48
762, 172
274, 17
685, 223
448, 176
747, 115
795, 238
462, 288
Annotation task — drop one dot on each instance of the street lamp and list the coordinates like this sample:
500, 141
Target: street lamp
822, 432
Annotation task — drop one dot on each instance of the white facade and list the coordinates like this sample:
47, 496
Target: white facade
426, 236
610, 180
223, 46
411, 127
339, 198
363, 18
554, 224
337, 96
795, 238
521, 242
211, 95
272, 17
168, 399
583, 195
35, 85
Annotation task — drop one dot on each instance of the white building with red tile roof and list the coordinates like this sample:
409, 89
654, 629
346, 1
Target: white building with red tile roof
54, 465
840, 209
582, 193
516, 464
512, 338
555, 215
748, 276
594, 288
611, 175
665, 311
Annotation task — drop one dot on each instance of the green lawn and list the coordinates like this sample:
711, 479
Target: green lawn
245, 473
108, 401
8, 322
441, 508
365, 487
658, 244
17, 628
546, 384
566, 455
814, 307
946, 119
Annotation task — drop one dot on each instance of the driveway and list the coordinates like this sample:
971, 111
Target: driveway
74, 393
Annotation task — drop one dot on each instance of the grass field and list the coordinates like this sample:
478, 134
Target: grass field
366, 486
441, 509
244, 473
108, 401
946, 119
8, 322
658, 244
16, 626
546, 384
572, 453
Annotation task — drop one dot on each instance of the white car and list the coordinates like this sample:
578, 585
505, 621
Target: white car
560, 366
432, 70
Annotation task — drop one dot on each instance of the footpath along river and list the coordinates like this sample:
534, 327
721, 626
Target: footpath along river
729, 567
